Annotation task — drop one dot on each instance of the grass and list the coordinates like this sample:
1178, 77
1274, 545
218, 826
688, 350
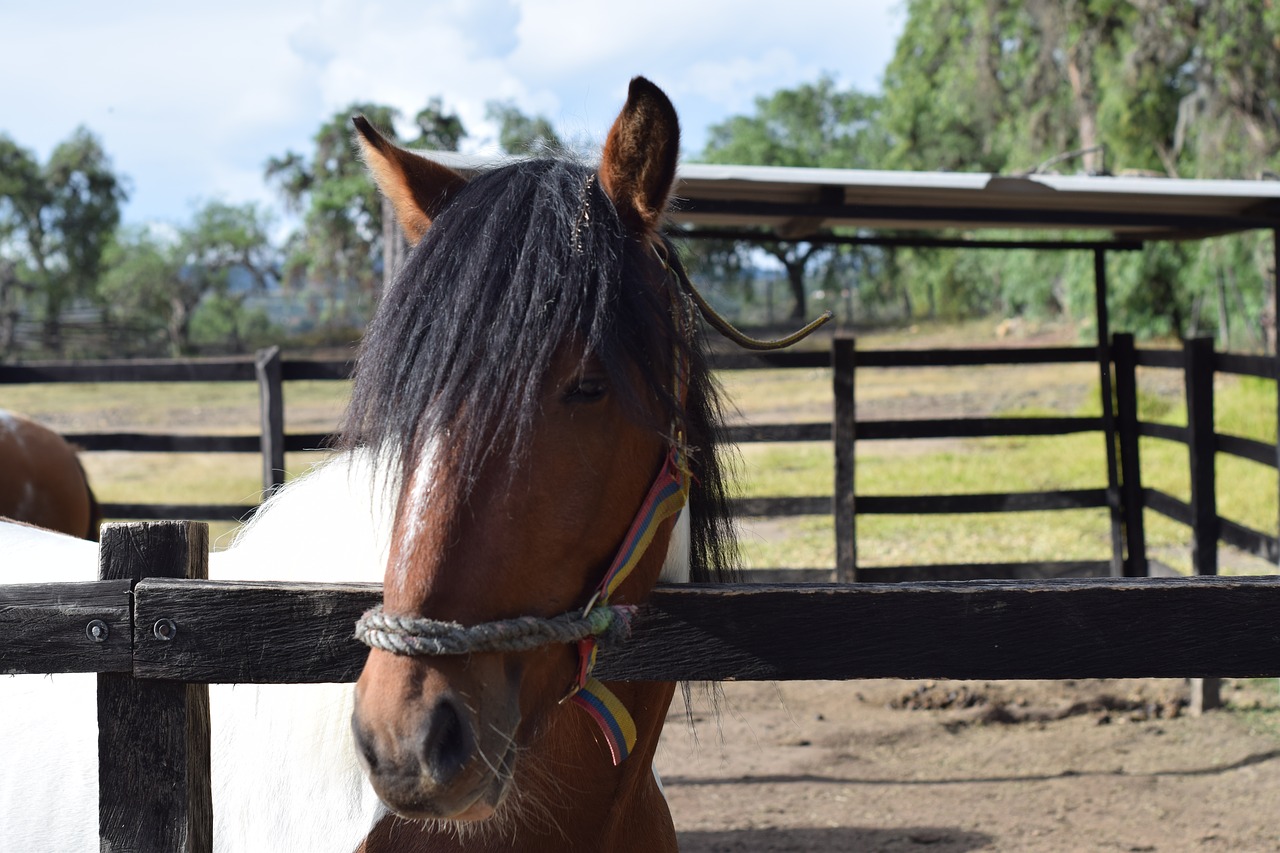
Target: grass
1247, 491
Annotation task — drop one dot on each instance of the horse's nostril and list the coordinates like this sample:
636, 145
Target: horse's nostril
447, 745
364, 745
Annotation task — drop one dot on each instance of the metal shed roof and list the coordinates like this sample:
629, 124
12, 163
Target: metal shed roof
793, 203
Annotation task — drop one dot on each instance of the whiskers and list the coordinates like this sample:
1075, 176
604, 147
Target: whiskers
534, 794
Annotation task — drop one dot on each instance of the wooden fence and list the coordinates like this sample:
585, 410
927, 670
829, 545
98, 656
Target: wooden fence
268, 369
157, 634
1118, 427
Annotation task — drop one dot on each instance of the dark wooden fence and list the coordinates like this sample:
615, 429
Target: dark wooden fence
1118, 427
157, 634
268, 369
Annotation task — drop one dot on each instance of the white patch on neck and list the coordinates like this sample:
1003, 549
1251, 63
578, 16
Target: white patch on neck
332, 524
285, 774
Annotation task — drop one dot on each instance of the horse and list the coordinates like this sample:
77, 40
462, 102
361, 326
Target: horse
533, 434
42, 481
549, 422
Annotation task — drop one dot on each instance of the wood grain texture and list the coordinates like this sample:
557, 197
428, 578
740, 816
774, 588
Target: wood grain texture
153, 737
1104, 628
1097, 628
44, 627
1201, 449
1128, 446
845, 432
180, 512
241, 631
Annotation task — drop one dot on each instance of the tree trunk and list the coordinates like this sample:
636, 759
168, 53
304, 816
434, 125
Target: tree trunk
1084, 98
8, 311
51, 332
179, 328
795, 278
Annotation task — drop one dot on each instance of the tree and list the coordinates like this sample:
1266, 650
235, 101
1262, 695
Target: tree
1117, 86
22, 198
817, 125
55, 222
157, 282
438, 129
348, 244
519, 133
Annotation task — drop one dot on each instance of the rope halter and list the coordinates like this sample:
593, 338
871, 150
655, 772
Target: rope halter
421, 637
599, 622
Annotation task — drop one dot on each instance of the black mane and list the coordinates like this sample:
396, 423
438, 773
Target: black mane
525, 258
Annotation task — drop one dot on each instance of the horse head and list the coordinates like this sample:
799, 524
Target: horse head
528, 376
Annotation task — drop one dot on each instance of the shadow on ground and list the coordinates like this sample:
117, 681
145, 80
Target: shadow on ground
814, 840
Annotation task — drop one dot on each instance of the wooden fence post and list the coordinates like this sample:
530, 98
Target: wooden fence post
154, 791
270, 373
1131, 504
1275, 322
1114, 499
1201, 447
844, 436
1206, 693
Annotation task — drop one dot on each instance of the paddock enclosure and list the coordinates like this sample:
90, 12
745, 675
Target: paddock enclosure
157, 632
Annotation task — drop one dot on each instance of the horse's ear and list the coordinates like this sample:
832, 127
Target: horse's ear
638, 167
417, 188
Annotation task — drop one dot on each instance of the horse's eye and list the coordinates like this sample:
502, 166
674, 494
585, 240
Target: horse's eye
586, 390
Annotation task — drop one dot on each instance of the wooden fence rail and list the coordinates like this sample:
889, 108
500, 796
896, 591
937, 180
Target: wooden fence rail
1124, 496
255, 632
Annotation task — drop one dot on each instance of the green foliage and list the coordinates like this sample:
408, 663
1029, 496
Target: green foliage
943, 97
55, 223
519, 133
815, 125
222, 323
1177, 89
155, 285
438, 129
345, 243
338, 250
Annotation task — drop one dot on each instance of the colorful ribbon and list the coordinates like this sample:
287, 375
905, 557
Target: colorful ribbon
667, 496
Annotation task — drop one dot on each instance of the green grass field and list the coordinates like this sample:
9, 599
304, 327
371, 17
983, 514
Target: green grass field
1247, 492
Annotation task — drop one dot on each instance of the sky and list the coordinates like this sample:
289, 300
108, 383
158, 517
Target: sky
191, 99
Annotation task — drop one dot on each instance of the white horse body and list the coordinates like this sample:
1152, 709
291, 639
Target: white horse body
285, 773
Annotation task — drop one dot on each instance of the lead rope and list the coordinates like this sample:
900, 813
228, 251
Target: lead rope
723, 326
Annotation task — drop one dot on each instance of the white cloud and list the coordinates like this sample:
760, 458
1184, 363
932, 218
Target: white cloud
191, 100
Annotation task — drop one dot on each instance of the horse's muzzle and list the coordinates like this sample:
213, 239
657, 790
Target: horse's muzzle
435, 763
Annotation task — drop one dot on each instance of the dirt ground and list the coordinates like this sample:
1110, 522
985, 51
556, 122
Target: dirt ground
947, 767
951, 767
